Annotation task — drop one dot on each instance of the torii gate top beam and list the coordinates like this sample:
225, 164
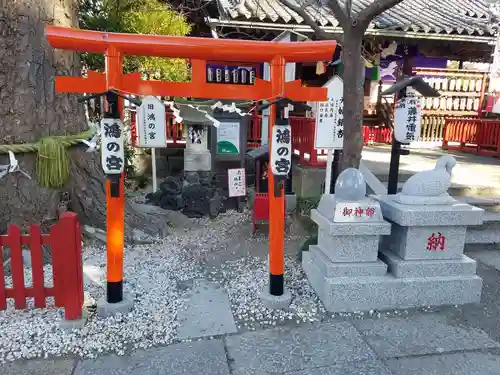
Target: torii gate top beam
192, 48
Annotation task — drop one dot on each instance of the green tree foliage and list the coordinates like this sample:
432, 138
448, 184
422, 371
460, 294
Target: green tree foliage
138, 17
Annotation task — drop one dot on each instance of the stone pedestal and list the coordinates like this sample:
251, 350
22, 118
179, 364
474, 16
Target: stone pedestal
197, 160
427, 241
421, 263
346, 253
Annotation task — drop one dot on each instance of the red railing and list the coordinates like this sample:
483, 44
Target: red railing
376, 134
65, 242
175, 131
303, 140
479, 136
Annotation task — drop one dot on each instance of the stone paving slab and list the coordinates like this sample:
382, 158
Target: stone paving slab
489, 257
200, 357
350, 368
39, 367
288, 349
449, 364
419, 335
207, 312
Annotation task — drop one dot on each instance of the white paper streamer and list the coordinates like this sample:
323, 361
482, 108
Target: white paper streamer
176, 112
12, 167
93, 142
229, 108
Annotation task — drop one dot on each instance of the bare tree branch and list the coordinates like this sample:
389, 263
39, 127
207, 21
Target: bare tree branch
375, 9
348, 8
300, 10
339, 13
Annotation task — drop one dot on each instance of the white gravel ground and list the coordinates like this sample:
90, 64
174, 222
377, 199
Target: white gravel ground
154, 277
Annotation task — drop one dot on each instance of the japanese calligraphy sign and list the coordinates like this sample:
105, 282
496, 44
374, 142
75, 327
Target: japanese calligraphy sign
407, 117
436, 242
151, 128
349, 212
236, 181
112, 150
329, 129
281, 150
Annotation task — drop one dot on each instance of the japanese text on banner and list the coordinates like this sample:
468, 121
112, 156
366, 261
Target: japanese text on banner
281, 150
112, 149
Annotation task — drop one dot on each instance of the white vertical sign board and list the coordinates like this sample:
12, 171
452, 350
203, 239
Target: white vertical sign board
237, 183
329, 129
281, 150
112, 149
407, 117
151, 127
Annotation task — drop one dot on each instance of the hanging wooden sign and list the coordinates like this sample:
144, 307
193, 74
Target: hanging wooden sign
281, 150
112, 149
152, 127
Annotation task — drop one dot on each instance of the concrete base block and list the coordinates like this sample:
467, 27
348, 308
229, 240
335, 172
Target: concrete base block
69, 325
307, 182
345, 269
423, 268
275, 302
105, 309
425, 216
351, 294
290, 202
197, 160
348, 248
436, 242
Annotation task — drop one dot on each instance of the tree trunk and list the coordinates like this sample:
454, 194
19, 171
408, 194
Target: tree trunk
31, 109
353, 77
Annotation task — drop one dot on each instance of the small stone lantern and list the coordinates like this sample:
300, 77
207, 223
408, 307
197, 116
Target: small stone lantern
197, 156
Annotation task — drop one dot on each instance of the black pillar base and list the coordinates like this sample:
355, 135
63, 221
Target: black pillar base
114, 291
276, 285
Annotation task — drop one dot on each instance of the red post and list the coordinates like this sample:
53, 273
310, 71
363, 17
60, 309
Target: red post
68, 244
276, 204
35, 243
3, 296
16, 257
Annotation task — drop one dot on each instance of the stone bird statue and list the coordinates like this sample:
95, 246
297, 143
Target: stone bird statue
433, 183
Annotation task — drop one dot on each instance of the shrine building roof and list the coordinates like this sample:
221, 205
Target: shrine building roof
467, 20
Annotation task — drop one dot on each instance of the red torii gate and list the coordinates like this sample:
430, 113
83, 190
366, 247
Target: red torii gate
115, 45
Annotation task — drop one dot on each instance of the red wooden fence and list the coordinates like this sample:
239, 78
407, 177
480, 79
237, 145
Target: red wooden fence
65, 241
479, 136
175, 137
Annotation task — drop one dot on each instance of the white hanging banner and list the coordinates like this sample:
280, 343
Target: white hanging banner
329, 129
407, 117
112, 149
281, 150
152, 126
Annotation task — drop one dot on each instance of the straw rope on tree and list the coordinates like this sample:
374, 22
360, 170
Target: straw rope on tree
52, 165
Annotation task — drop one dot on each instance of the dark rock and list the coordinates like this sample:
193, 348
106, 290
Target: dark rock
191, 178
171, 185
154, 198
172, 202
